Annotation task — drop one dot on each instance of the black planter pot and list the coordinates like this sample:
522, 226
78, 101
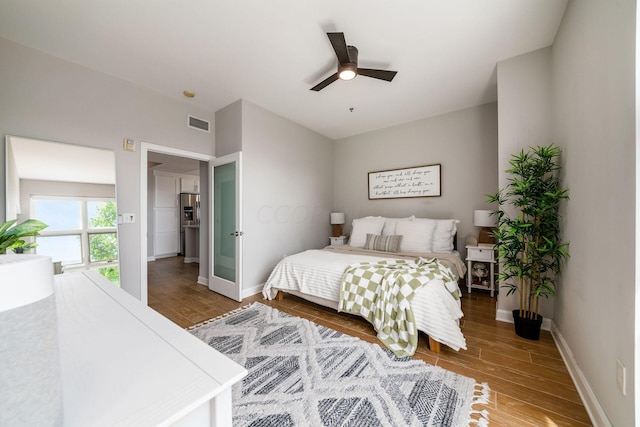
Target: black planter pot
527, 328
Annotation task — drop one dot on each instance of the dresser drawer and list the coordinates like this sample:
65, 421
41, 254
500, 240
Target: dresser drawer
480, 254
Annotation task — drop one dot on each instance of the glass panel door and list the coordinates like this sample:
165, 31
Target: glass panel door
226, 263
224, 213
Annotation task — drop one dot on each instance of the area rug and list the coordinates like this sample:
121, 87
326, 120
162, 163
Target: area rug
304, 374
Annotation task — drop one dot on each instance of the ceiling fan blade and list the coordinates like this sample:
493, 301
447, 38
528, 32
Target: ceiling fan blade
326, 82
377, 74
339, 46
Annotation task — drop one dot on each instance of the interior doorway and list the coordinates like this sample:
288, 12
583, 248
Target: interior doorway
173, 206
168, 209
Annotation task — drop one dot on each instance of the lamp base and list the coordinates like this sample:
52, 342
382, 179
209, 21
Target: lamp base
486, 236
337, 230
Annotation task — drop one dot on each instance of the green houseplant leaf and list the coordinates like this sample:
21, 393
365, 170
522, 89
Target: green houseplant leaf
530, 252
11, 234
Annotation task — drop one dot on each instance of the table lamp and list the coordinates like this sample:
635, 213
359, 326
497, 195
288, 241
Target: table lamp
337, 219
485, 219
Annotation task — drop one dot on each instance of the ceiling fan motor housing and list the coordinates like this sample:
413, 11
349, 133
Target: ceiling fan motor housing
349, 70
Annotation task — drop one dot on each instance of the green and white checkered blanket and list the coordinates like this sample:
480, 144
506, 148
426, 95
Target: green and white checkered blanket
381, 292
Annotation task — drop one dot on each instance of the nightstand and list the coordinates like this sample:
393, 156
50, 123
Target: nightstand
479, 256
337, 241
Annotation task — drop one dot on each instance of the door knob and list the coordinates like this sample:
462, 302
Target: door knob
236, 233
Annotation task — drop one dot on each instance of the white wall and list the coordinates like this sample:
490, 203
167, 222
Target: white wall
46, 98
464, 142
593, 72
287, 190
524, 117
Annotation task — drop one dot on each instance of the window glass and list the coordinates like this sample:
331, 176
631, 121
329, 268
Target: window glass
102, 214
59, 214
103, 247
60, 248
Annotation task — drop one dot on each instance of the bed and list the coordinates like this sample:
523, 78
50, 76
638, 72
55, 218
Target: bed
316, 274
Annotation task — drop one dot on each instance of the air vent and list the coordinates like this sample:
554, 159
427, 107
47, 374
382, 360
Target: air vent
196, 123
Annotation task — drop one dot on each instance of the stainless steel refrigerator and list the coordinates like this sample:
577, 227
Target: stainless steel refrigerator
189, 214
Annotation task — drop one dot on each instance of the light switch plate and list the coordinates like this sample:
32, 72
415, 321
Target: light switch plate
128, 145
128, 218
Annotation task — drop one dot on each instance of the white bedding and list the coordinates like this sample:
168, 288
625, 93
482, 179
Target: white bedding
318, 273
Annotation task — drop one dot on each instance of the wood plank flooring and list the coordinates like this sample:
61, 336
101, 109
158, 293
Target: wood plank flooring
530, 385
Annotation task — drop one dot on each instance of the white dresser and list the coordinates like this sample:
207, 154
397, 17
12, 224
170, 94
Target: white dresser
124, 364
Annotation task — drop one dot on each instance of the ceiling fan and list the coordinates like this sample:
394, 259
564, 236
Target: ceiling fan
348, 64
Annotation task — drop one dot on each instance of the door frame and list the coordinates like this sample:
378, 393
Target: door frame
233, 293
145, 147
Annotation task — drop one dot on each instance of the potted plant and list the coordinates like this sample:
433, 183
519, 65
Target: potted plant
11, 234
530, 252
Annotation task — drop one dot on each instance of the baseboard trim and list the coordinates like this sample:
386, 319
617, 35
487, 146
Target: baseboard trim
151, 258
252, 291
188, 260
203, 281
507, 316
592, 405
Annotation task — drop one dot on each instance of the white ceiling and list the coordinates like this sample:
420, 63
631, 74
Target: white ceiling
168, 163
270, 52
52, 161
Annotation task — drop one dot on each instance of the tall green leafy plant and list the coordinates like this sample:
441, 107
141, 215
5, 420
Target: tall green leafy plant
529, 247
11, 235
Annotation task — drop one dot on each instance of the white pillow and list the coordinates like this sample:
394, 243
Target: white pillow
445, 230
417, 235
363, 226
443, 236
389, 228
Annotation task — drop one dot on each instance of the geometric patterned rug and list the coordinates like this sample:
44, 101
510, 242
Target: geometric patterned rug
304, 374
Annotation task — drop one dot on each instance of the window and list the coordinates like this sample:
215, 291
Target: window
81, 233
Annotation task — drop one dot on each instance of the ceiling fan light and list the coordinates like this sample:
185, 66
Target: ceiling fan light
347, 72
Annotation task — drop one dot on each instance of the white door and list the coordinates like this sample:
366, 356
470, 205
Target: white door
226, 260
165, 209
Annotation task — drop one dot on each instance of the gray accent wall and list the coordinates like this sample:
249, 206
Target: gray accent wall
287, 186
594, 119
524, 117
464, 142
229, 129
47, 98
580, 94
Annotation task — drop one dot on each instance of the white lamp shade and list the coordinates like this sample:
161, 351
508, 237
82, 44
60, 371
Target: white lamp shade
483, 218
337, 218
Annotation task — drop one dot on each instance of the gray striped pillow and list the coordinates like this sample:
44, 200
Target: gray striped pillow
383, 243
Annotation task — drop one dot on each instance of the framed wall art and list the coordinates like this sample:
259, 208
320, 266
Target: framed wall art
419, 181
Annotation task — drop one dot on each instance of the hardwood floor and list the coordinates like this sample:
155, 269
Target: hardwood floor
530, 385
